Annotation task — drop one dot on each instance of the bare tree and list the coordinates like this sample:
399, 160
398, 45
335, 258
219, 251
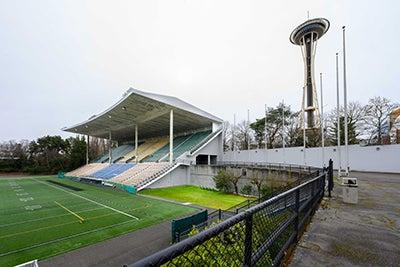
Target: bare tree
244, 135
376, 117
356, 123
257, 180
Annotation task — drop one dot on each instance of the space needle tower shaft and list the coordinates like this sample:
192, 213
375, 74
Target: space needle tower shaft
306, 36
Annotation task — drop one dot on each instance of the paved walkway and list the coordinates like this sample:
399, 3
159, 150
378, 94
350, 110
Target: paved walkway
365, 234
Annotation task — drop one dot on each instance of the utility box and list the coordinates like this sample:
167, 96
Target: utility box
350, 190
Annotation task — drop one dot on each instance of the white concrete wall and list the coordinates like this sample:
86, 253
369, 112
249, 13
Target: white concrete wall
214, 147
369, 158
179, 176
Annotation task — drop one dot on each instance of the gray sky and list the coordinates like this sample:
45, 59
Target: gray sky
63, 61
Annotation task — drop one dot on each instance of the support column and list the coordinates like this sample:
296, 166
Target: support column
87, 149
109, 148
171, 136
209, 160
136, 143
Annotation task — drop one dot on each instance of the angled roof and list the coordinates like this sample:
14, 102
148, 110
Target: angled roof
147, 110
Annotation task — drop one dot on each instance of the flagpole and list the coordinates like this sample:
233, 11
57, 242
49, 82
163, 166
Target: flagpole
346, 133
322, 123
265, 134
338, 115
283, 131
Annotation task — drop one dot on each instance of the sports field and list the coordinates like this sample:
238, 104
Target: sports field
196, 195
44, 216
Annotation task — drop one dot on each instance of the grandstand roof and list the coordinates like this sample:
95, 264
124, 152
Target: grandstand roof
150, 112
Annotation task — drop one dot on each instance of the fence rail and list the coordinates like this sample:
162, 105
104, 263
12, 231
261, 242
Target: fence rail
258, 236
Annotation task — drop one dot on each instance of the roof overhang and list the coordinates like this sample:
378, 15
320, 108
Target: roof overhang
150, 112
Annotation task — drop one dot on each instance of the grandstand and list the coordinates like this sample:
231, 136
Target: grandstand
159, 137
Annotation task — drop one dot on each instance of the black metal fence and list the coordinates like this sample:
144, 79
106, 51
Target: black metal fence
221, 215
258, 236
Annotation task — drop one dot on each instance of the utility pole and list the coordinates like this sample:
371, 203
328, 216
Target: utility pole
346, 131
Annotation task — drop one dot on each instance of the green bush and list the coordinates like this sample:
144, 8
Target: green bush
266, 191
246, 190
222, 181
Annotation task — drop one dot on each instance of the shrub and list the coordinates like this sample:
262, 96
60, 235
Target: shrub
222, 181
246, 190
266, 190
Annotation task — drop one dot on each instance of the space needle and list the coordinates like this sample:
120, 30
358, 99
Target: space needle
306, 36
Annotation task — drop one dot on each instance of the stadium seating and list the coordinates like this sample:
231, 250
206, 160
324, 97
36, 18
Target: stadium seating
142, 173
189, 143
117, 153
145, 149
87, 169
111, 170
181, 145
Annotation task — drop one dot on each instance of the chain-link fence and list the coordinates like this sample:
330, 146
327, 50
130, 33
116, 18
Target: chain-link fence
258, 236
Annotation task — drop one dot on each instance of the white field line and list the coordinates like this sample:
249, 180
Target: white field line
100, 204
61, 239
45, 218
45, 208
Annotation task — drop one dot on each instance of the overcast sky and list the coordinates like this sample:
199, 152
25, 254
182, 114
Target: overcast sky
63, 61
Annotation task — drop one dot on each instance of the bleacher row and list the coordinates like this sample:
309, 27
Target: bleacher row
155, 149
152, 160
123, 173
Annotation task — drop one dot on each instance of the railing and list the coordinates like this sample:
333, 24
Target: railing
276, 166
205, 140
221, 215
258, 236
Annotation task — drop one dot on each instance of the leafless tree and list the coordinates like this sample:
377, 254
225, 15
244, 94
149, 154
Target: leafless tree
376, 116
355, 116
244, 135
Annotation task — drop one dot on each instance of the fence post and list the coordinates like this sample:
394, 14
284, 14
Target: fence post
297, 219
219, 214
330, 177
248, 241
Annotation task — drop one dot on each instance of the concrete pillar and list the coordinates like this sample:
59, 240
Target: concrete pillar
208, 159
136, 144
171, 136
87, 149
109, 148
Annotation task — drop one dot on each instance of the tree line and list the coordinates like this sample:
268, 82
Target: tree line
367, 123
48, 154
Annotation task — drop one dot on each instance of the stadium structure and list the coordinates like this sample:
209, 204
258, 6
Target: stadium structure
306, 36
158, 138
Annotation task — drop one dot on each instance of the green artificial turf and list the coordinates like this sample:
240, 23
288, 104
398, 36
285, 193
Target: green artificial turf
34, 226
196, 195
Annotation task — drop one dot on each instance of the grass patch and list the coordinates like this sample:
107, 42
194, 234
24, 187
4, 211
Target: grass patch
196, 196
34, 226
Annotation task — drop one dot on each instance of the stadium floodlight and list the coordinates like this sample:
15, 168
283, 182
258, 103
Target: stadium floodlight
306, 35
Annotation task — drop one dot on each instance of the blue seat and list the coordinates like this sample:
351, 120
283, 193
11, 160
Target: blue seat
112, 170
